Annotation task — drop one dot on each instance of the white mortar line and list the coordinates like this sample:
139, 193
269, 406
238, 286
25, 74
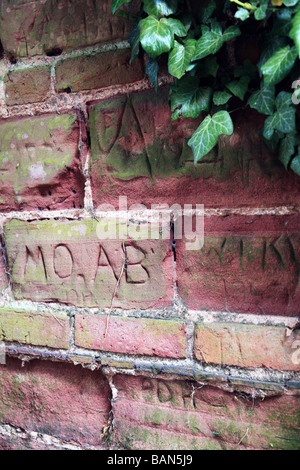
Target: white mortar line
141, 214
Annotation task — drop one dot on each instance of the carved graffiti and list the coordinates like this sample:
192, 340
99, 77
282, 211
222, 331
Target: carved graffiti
245, 273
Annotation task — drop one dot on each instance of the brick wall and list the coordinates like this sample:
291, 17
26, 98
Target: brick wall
135, 342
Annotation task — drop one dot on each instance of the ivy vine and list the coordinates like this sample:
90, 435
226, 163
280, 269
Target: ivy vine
206, 50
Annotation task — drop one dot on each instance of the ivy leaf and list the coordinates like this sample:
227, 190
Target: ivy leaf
279, 65
187, 99
116, 4
295, 31
239, 87
284, 119
175, 26
295, 163
134, 40
213, 39
282, 22
160, 8
206, 12
263, 100
289, 3
231, 33
261, 12
287, 149
152, 71
155, 36
272, 143
207, 134
272, 44
242, 14
221, 97
180, 57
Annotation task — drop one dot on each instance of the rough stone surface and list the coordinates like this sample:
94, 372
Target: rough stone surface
162, 338
247, 264
50, 26
27, 86
272, 347
97, 71
51, 329
69, 262
139, 153
39, 163
55, 399
176, 415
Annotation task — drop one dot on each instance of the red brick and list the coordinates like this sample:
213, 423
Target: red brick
161, 414
68, 261
40, 165
50, 328
138, 152
244, 345
27, 86
142, 336
97, 71
69, 25
247, 264
64, 401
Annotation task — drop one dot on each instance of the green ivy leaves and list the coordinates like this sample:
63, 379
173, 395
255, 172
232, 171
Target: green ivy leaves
295, 31
207, 134
212, 39
160, 8
116, 4
180, 57
187, 99
157, 36
279, 65
207, 77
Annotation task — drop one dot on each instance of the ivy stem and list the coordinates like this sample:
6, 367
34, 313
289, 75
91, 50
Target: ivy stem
244, 5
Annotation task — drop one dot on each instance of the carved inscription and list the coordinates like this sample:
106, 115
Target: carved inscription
67, 262
258, 274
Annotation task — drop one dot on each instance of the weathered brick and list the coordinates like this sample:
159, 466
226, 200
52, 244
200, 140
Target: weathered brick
72, 262
69, 25
97, 71
49, 328
61, 400
40, 164
27, 86
247, 264
142, 336
244, 345
3, 274
138, 152
168, 414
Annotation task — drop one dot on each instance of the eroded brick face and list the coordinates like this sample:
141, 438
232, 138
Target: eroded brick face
27, 86
68, 262
40, 166
139, 152
97, 71
160, 414
54, 25
150, 337
246, 264
54, 399
273, 347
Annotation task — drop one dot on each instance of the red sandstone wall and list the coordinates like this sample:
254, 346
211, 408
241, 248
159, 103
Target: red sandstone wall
136, 344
